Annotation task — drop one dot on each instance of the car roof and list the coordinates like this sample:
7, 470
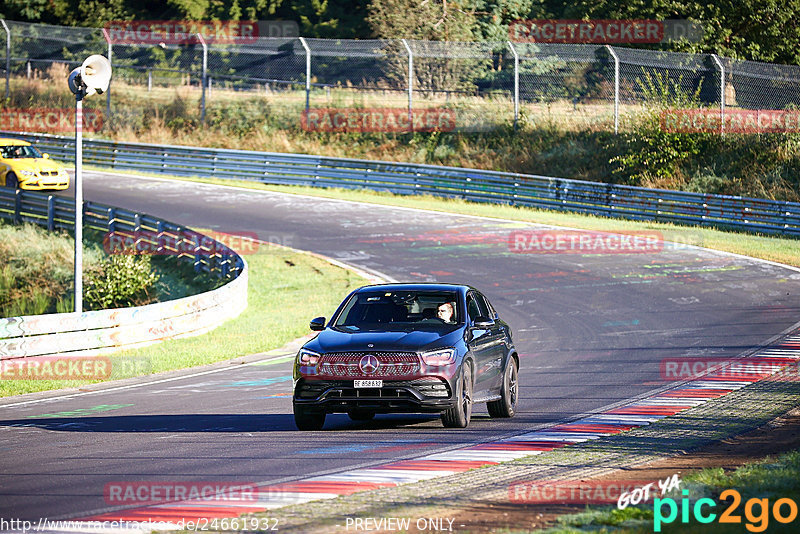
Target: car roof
416, 286
15, 142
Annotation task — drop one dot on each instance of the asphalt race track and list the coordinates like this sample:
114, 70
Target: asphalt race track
591, 330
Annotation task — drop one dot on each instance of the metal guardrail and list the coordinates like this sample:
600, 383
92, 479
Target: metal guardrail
102, 331
610, 200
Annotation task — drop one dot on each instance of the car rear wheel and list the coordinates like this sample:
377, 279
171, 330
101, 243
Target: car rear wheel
459, 415
307, 419
361, 415
506, 405
11, 180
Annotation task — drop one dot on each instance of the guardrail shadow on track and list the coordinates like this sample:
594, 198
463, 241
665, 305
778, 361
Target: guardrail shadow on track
103, 331
610, 200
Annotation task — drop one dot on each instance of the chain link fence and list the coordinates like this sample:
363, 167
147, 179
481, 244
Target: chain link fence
481, 84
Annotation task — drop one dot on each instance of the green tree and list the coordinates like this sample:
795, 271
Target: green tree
328, 20
761, 30
96, 13
432, 20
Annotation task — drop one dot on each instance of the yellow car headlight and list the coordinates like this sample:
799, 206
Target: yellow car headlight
27, 173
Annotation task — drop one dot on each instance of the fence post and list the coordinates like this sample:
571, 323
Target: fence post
516, 82
308, 70
721, 93
616, 88
203, 78
111, 61
410, 84
8, 56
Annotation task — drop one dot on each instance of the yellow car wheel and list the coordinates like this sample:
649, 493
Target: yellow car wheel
11, 180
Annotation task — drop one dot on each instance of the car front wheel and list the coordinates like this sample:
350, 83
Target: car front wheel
307, 419
11, 180
459, 415
506, 405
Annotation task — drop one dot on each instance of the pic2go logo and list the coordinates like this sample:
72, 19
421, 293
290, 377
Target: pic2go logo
758, 521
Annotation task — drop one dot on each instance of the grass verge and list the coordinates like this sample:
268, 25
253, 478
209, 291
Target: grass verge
778, 249
286, 289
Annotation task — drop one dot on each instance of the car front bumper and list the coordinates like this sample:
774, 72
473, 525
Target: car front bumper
428, 394
44, 185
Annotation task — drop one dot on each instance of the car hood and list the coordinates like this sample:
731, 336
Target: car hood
330, 340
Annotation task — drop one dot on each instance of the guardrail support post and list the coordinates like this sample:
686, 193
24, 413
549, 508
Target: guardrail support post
160, 231
51, 213
203, 78
721, 93
616, 88
516, 83
18, 206
8, 56
110, 60
308, 71
410, 84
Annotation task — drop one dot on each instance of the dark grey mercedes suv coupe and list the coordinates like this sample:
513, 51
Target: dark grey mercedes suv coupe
407, 348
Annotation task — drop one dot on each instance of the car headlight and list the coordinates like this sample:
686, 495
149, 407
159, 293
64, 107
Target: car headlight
27, 173
307, 357
439, 357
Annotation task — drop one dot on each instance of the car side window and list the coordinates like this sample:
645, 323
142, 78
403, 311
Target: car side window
492, 313
475, 307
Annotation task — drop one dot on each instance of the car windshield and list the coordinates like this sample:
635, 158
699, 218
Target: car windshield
19, 151
400, 310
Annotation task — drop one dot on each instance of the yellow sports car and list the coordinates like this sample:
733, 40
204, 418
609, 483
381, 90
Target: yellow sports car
23, 166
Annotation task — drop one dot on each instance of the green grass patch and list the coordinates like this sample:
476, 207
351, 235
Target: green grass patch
772, 248
286, 289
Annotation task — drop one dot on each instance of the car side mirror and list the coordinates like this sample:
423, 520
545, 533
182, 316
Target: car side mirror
46, 155
317, 324
482, 321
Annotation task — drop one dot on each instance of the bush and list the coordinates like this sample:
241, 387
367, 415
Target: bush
120, 281
36, 273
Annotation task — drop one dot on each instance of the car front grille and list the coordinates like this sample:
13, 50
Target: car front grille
431, 387
390, 365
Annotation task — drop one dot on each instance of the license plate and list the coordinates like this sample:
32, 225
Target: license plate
368, 383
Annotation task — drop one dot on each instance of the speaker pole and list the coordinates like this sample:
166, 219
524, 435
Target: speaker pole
79, 202
92, 77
